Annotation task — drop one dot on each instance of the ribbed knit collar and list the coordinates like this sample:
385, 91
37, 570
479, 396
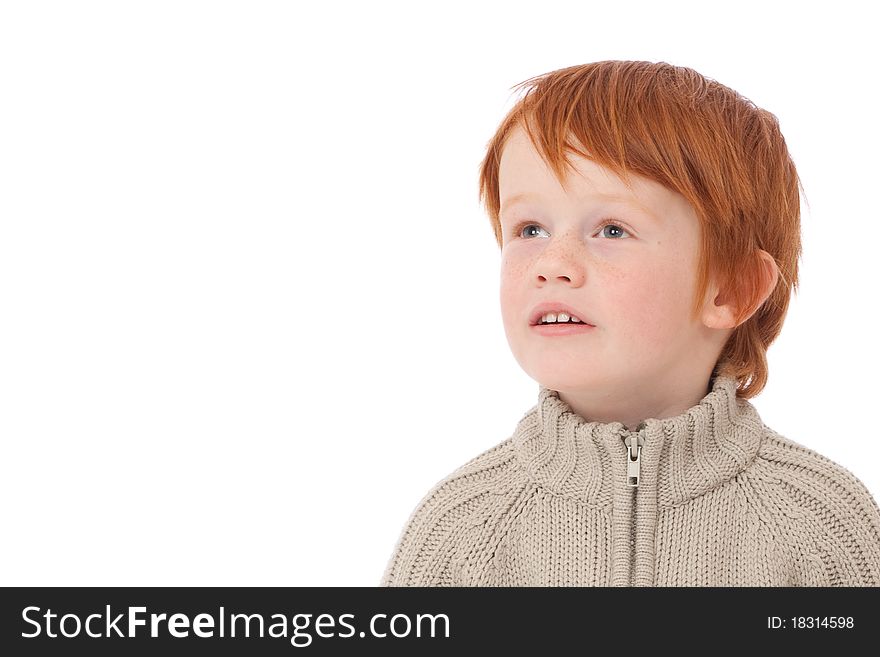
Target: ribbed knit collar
682, 456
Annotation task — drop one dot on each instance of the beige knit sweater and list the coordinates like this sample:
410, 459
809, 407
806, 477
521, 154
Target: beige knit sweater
712, 497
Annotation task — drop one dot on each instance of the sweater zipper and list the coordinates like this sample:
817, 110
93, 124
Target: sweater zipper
633, 460
633, 442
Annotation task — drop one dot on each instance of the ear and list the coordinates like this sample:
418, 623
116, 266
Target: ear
724, 310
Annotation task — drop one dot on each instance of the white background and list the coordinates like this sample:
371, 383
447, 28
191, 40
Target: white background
249, 300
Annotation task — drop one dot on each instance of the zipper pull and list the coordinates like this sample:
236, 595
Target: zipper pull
633, 460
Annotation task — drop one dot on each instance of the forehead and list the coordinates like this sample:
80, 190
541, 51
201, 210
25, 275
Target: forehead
524, 175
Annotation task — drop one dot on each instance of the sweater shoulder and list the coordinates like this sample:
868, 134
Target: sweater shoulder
450, 521
829, 511
792, 461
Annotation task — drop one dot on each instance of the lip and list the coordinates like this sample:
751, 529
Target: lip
554, 307
562, 329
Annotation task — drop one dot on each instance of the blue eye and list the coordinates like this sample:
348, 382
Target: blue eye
610, 225
531, 229
524, 227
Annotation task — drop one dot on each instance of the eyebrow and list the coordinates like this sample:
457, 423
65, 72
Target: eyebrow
518, 198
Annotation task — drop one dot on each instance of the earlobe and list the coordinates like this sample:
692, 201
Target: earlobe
721, 311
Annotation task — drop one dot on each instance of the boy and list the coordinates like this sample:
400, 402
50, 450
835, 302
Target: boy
649, 225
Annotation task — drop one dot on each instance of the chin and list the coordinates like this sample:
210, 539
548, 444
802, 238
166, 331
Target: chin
563, 377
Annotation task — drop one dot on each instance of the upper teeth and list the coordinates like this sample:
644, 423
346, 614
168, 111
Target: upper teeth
561, 317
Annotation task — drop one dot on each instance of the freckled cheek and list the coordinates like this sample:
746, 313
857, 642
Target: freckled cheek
646, 307
513, 290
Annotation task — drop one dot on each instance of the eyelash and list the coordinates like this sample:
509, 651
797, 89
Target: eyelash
517, 231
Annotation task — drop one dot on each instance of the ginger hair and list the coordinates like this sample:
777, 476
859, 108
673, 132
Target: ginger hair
699, 138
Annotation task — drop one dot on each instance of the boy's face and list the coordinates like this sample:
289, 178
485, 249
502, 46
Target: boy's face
623, 259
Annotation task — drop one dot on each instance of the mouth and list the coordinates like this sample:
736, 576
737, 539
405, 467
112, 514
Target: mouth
556, 311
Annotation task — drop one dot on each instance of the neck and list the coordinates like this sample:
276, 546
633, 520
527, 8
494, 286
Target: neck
631, 403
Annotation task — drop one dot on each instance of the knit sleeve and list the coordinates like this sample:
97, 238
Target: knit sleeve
839, 520
448, 524
848, 548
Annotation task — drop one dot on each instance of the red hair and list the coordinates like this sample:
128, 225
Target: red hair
699, 138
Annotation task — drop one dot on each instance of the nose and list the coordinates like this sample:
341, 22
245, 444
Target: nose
563, 261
